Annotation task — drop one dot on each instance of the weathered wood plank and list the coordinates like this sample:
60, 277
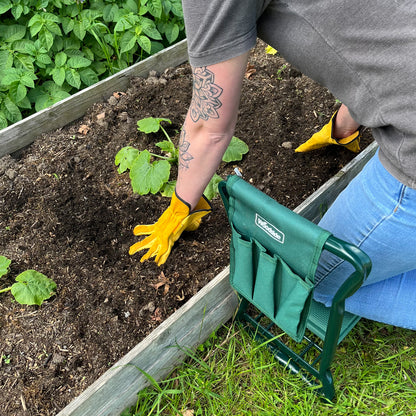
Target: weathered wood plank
159, 353
315, 206
24, 132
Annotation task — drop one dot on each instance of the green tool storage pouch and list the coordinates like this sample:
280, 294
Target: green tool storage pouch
274, 253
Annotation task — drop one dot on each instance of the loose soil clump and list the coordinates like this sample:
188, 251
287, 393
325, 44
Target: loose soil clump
68, 214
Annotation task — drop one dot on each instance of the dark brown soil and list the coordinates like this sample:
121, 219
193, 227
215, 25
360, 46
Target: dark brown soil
66, 212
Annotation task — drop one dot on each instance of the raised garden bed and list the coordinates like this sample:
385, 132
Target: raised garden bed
68, 214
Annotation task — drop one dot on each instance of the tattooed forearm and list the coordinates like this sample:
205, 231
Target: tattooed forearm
184, 156
205, 97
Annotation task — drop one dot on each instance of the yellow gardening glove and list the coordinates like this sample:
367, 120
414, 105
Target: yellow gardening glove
324, 138
169, 228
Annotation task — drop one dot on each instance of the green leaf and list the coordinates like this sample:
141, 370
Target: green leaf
127, 41
73, 78
43, 59
60, 58
25, 103
79, 30
235, 151
67, 24
11, 111
148, 177
131, 5
88, 76
6, 60
78, 62
50, 17
45, 97
4, 265
58, 75
46, 38
151, 124
24, 61
110, 13
211, 191
3, 121
155, 8
167, 147
35, 24
17, 11
17, 92
32, 288
149, 28
27, 79
11, 33
54, 28
145, 43
168, 188
5, 5
126, 22
176, 7
11, 76
172, 32
125, 157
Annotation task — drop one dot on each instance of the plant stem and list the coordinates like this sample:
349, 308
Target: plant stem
166, 134
169, 159
6, 289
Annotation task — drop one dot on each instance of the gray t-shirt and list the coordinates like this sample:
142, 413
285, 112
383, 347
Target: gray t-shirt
363, 52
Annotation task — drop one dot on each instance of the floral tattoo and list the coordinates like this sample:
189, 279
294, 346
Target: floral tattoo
205, 97
184, 156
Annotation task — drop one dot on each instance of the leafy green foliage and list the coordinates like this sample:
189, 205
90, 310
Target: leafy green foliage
235, 150
151, 176
211, 190
147, 176
31, 287
52, 49
4, 265
151, 124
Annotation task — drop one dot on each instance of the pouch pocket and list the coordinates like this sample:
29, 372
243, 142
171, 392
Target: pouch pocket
266, 281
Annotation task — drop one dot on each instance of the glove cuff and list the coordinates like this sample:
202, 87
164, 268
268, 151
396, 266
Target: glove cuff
345, 141
202, 205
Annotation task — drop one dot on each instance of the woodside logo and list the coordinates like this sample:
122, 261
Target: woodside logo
270, 229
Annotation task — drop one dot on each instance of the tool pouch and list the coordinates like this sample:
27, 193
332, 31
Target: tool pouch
274, 253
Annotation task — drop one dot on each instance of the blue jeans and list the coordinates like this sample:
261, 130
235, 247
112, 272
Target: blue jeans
378, 214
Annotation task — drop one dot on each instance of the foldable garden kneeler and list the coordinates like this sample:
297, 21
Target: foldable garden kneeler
274, 253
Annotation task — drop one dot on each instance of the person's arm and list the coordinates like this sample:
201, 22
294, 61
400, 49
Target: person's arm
341, 130
209, 125
206, 134
344, 125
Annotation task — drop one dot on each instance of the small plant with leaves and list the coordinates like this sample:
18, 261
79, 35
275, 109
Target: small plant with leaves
31, 287
150, 172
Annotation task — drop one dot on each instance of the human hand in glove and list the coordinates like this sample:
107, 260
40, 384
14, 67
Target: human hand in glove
324, 137
163, 234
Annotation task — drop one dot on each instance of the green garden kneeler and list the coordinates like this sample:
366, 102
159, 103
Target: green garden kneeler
274, 254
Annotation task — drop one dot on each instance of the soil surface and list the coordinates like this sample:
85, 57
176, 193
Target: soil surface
67, 213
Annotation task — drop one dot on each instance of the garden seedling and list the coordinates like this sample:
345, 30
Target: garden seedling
31, 287
151, 176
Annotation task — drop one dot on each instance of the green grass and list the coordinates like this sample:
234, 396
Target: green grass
374, 372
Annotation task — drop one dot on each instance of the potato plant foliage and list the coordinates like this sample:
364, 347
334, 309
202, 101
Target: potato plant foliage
150, 173
50, 49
